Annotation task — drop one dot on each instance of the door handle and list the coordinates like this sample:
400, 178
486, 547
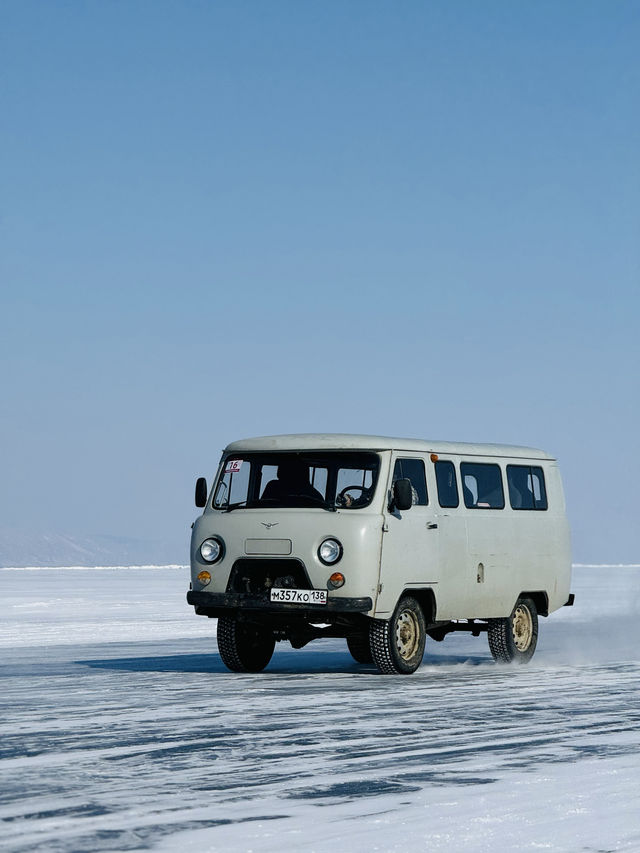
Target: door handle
431, 525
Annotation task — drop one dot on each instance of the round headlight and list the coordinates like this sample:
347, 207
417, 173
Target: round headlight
211, 550
330, 551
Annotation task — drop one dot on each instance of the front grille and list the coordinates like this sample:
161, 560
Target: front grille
256, 577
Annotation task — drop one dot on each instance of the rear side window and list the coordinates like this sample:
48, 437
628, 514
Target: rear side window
447, 486
482, 485
526, 487
413, 469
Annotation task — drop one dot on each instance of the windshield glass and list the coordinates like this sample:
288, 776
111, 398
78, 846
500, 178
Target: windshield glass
330, 480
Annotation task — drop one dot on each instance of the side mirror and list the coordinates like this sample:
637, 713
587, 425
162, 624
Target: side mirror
402, 494
201, 492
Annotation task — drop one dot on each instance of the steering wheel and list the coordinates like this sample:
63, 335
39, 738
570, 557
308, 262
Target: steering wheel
342, 494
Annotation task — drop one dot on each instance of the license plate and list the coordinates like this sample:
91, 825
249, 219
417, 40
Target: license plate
299, 596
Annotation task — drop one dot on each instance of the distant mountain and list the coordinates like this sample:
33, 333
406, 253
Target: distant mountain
20, 548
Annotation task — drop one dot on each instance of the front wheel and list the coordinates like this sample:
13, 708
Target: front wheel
359, 647
514, 639
397, 645
244, 647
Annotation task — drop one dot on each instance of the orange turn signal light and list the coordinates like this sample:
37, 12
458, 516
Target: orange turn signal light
336, 580
434, 457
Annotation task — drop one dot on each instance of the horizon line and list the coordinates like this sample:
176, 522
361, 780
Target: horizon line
153, 566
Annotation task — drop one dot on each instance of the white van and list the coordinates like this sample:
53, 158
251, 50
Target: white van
382, 541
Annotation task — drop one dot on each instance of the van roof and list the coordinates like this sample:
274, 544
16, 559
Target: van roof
339, 441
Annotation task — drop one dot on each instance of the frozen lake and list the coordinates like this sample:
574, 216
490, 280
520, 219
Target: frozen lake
121, 730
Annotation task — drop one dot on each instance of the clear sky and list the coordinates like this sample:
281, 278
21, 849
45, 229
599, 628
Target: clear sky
224, 219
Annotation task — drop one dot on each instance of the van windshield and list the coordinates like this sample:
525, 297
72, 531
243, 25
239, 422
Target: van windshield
328, 480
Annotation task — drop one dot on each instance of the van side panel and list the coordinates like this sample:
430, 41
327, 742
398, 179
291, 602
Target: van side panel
478, 561
512, 551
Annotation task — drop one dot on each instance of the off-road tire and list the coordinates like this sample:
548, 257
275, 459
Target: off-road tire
360, 648
244, 647
514, 639
397, 645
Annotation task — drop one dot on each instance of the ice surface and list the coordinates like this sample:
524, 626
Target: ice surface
121, 730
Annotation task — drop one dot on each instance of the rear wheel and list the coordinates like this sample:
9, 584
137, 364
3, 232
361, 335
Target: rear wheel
397, 645
244, 647
360, 648
514, 639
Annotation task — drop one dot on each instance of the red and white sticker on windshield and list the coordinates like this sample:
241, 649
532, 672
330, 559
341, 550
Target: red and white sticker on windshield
233, 466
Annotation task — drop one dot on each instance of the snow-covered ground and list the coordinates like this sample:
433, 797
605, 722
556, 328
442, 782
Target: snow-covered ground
121, 730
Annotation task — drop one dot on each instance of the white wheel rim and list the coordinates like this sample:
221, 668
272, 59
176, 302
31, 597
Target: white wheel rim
407, 634
522, 627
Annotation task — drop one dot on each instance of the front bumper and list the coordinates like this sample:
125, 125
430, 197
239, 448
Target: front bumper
226, 603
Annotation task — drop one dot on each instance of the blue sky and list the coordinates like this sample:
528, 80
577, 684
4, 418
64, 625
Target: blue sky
223, 219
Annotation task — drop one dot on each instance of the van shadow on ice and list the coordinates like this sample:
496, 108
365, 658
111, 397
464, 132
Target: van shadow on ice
300, 664
303, 662
159, 663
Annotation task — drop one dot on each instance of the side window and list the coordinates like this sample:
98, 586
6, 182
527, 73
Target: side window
447, 486
482, 485
526, 487
413, 469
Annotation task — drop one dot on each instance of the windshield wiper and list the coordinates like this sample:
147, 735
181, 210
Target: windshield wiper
230, 507
329, 507
284, 503
322, 503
